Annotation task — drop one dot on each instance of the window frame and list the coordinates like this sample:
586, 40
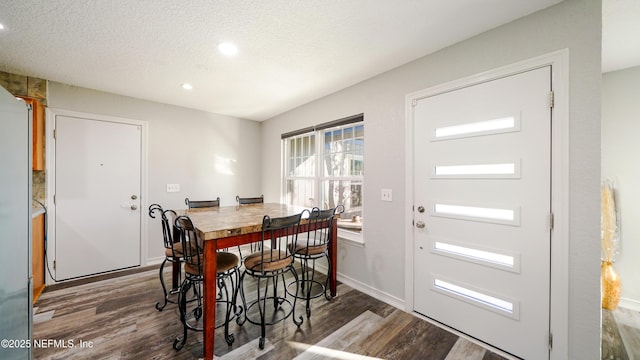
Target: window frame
319, 177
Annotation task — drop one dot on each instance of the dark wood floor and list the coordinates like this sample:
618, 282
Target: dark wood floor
620, 334
116, 319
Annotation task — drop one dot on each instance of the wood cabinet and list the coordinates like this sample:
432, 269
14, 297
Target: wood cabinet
38, 135
37, 113
37, 255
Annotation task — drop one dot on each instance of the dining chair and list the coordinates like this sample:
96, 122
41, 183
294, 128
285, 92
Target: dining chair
313, 244
201, 204
191, 204
172, 250
191, 310
273, 260
249, 200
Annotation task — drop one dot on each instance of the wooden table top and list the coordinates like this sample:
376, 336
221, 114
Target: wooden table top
225, 221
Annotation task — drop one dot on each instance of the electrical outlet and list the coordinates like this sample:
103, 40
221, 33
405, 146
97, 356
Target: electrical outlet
173, 187
386, 195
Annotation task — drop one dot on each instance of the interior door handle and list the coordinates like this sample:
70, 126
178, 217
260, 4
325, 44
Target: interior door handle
134, 207
420, 224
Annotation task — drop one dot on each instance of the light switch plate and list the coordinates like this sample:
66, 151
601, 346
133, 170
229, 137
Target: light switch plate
173, 187
386, 195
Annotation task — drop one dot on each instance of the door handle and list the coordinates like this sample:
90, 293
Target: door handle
134, 207
420, 224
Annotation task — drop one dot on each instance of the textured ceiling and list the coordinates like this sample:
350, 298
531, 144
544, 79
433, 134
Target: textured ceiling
290, 51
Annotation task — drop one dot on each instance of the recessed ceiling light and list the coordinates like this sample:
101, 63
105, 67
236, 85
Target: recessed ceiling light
187, 86
228, 49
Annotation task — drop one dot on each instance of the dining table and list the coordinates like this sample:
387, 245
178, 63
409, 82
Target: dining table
228, 226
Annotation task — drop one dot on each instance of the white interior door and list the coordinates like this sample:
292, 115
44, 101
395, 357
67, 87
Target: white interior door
97, 196
482, 199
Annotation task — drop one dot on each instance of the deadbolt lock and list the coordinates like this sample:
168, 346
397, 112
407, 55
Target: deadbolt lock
133, 197
420, 209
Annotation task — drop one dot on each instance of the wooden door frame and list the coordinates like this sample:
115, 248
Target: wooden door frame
559, 298
50, 156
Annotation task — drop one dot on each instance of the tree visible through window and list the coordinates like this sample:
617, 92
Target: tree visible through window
328, 172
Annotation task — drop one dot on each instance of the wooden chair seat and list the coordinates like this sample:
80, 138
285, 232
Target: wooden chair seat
225, 262
176, 250
273, 261
301, 249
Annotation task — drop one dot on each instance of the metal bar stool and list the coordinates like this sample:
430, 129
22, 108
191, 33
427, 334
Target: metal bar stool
312, 245
227, 271
273, 260
172, 251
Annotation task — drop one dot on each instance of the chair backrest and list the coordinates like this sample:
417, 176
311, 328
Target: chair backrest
154, 208
194, 204
167, 228
191, 246
250, 200
318, 231
277, 235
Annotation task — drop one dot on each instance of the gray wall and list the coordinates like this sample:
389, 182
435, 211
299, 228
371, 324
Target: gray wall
573, 24
620, 129
209, 155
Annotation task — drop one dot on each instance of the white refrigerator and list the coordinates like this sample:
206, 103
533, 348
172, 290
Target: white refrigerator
15, 228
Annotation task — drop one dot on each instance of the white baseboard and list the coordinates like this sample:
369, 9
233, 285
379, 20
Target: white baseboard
630, 304
371, 291
155, 260
367, 289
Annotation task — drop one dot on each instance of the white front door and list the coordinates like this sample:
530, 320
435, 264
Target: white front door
482, 211
97, 196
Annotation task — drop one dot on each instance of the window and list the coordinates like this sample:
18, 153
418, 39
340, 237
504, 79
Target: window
324, 167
